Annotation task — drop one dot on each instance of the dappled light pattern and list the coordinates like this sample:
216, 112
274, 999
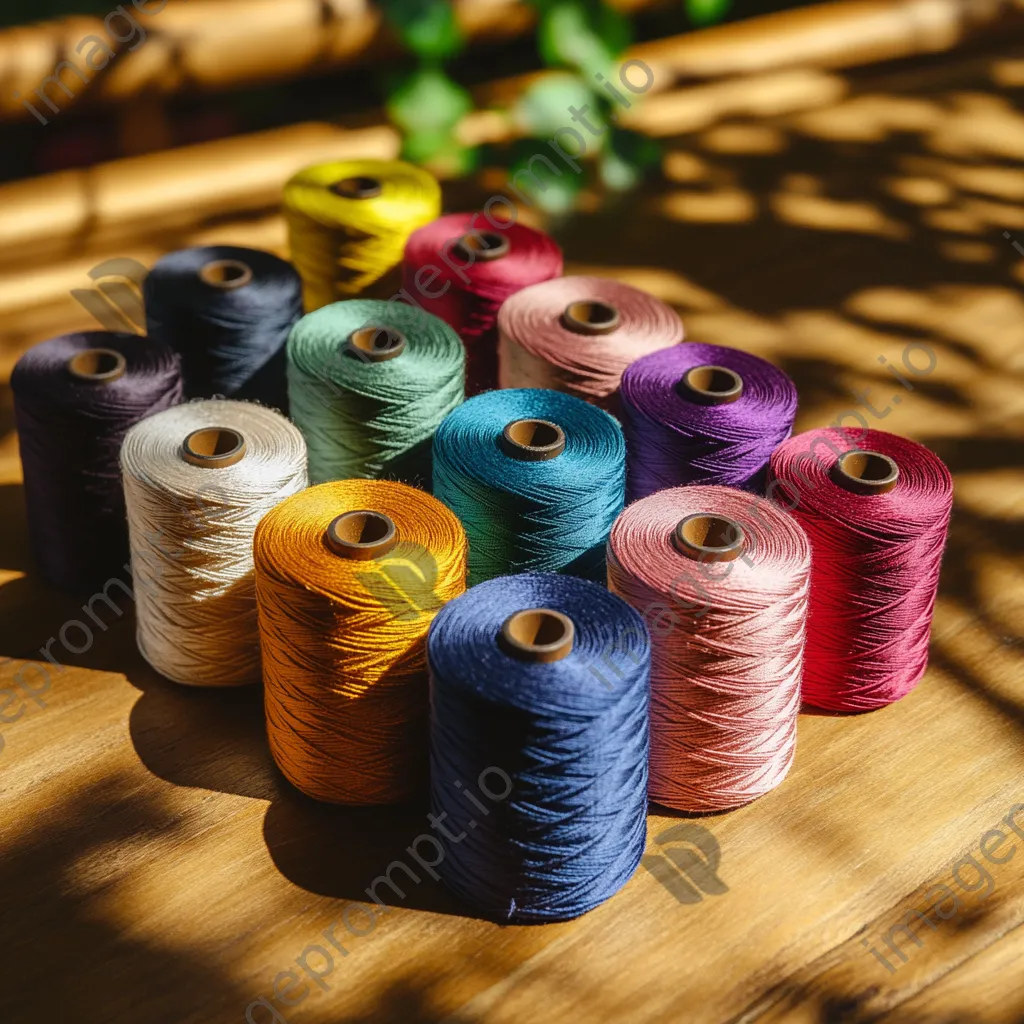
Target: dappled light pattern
862, 230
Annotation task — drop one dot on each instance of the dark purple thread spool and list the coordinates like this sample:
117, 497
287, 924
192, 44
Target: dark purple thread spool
75, 396
703, 414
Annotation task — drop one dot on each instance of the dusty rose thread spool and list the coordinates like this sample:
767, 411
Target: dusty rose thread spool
579, 334
722, 579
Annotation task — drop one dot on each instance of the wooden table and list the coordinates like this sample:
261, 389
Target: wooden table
155, 866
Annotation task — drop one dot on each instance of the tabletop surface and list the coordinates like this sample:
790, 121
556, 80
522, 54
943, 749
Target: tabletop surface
156, 867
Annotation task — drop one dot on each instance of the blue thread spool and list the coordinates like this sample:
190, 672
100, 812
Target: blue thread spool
537, 478
539, 702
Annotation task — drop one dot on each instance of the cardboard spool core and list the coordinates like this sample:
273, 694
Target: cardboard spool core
865, 472
376, 344
538, 635
709, 538
213, 447
361, 535
97, 365
591, 317
360, 186
226, 275
484, 245
533, 440
711, 385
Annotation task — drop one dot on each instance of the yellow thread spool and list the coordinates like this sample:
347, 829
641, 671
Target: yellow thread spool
348, 222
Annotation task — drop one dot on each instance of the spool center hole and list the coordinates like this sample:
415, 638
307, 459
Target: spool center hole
96, 362
487, 241
868, 466
363, 528
376, 340
537, 629
226, 274
214, 442
597, 315
483, 245
359, 186
710, 533
534, 434
714, 380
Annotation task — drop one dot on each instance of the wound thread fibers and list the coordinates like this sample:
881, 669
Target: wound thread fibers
462, 272
348, 222
722, 578
703, 414
517, 711
536, 477
877, 514
578, 335
350, 575
227, 310
369, 382
197, 480
75, 397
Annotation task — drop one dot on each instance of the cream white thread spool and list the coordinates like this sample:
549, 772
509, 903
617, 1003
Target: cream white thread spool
197, 479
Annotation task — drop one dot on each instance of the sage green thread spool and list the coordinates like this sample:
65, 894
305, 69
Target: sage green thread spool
369, 382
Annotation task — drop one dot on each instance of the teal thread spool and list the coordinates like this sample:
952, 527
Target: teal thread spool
537, 478
368, 384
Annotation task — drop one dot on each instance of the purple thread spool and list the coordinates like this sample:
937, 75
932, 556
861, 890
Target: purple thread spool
703, 414
75, 397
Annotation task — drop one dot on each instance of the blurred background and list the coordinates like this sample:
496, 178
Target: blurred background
189, 71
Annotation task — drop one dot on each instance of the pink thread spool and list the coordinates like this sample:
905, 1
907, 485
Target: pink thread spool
722, 579
579, 334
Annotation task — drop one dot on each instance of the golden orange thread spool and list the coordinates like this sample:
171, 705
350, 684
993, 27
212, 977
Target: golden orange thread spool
349, 576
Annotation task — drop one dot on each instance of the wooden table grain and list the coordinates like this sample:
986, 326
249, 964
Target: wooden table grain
155, 867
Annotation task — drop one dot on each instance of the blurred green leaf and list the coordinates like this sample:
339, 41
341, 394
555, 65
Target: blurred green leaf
706, 12
428, 101
639, 150
614, 28
552, 191
582, 35
628, 159
427, 27
441, 152
544, 106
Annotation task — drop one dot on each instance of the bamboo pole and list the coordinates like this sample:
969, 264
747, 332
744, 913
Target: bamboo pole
211, 45
166, 194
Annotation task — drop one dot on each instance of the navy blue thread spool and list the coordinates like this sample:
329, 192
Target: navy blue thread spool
228, 310
516, 694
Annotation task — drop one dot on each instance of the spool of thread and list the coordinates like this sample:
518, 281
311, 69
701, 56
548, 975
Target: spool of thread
228, 311
350, 575
703, 414
578, 335
74, 399
348, 222
369, 382
537, 478
463, 272
559, 758
877, 515
197, 480
721, 577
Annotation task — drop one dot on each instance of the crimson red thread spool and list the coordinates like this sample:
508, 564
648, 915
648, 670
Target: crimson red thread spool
877, 514
462, 268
